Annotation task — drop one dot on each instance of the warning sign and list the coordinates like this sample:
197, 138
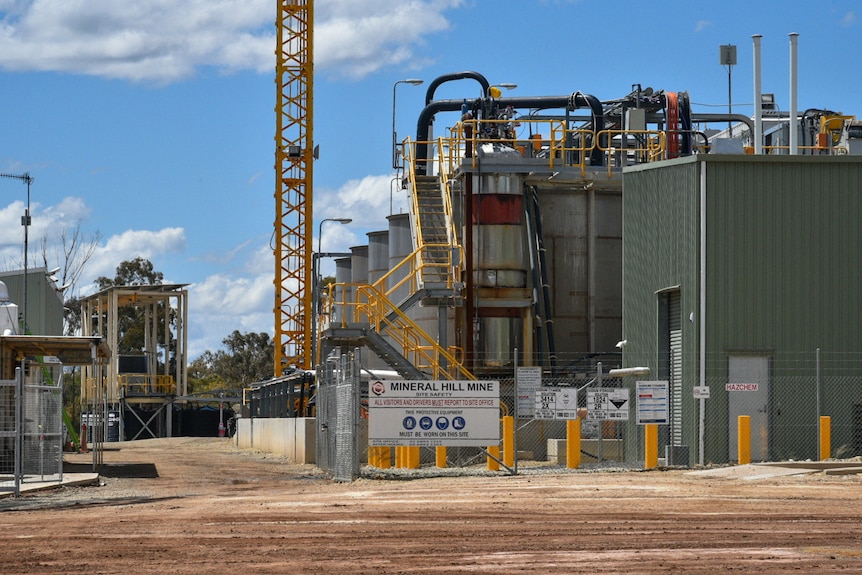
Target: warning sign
608, 403
740, 387
556, 403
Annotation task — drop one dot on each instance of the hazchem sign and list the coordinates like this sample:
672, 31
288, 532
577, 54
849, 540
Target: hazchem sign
556, 403
740, 387
653, 405
429, 413
608, 403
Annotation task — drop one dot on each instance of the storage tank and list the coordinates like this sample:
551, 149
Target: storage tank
500, 263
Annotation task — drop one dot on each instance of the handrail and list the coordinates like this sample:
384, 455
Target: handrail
651, 146
142, 384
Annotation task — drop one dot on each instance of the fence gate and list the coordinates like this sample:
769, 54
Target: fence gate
338, 400
10, 460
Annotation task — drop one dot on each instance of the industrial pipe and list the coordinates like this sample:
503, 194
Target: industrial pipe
570, 102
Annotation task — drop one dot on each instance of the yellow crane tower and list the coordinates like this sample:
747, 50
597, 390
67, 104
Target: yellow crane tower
293, 164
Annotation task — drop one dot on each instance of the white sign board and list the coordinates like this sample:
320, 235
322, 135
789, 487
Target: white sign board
608, 403
434, 413
701, 392
556, 403
529, 381
653, 405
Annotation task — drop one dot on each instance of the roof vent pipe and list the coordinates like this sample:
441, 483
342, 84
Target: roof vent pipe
758, 105
794, 130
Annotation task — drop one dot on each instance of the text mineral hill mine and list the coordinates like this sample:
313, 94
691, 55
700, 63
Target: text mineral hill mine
439, 386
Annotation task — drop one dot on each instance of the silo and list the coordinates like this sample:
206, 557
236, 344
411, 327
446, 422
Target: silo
378, 255
400, 246
341, 294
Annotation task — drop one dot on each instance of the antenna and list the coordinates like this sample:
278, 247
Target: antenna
727, 57
25, 221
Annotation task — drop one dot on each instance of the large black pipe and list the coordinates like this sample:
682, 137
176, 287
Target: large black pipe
571, 102
432, 87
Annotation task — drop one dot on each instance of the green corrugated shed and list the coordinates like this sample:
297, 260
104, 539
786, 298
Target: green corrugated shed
782, 280
44, 301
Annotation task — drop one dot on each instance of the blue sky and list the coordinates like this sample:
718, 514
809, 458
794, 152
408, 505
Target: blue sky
152, 122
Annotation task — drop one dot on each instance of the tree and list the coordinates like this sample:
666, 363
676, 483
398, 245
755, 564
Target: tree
246, 359
69, 254
130, 323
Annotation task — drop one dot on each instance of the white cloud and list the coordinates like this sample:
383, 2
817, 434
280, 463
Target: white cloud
701, 25
162, 41
849, 19
132, 244
223, 303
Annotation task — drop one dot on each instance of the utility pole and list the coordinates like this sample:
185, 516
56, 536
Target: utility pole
25, 221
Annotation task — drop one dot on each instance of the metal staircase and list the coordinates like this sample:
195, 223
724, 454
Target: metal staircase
431, 272
432, 227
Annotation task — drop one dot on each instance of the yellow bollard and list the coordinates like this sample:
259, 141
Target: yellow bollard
573, 443
493, 464
440, 456
385, 457
509, 440
650, 445
413, 457
743, 440
825, 437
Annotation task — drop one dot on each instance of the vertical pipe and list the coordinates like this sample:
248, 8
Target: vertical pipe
825, 437
469, 284
702, 318
573, 443
743, 441
650, 445
794, 146
817, 377
758, 112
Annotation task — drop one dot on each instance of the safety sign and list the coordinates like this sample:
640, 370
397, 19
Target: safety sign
608, 403
556, 403
434, 413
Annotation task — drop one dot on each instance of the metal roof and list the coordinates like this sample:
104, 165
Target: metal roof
70, 350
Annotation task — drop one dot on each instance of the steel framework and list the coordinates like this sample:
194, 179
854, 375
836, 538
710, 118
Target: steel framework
293, 197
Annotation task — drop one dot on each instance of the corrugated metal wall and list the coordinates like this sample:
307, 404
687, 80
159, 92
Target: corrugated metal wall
783, 274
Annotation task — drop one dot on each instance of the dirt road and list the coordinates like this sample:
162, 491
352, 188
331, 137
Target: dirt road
194, 506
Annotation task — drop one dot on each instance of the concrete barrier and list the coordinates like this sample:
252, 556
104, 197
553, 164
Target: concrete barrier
293, 438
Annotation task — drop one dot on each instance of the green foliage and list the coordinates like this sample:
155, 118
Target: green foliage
130, 323
246, 358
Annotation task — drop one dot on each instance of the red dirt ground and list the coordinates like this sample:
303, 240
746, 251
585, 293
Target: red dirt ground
193, 506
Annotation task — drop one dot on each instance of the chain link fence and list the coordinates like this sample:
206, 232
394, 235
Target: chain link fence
31, 429
785, 397
338, 417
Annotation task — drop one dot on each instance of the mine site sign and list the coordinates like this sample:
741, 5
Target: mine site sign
608, 403
556, 403
430, 413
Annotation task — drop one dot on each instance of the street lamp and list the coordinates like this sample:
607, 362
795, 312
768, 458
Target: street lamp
318, 280
412, 82
25, 221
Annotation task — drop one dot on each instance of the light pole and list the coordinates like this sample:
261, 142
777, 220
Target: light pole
318, 280
412, 82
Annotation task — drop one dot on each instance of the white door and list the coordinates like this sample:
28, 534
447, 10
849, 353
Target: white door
751, 400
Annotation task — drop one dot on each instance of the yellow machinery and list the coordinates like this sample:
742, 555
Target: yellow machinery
293, 196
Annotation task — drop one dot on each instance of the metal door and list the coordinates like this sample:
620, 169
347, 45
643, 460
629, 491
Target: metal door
751, 400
